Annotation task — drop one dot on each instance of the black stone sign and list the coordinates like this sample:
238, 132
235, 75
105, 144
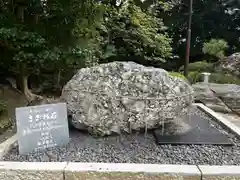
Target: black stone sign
201, 132
41, 127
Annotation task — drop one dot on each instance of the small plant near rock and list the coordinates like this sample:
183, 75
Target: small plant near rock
195, 76
5, 123
177, 74
3, 106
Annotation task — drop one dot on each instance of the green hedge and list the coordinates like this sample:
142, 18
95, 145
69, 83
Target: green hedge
199, 66
219, 78
222, 78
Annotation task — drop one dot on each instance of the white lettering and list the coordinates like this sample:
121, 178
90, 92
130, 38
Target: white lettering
37, 118
54, 115
46, 116
30, 118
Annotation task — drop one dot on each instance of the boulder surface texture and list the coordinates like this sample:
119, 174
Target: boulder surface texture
231, 64
124, 96
219, 97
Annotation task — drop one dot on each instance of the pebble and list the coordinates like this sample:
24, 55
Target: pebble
135, 148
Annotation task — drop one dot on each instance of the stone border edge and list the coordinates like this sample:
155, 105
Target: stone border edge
223, 121
176, 171
224, 171
130, 171
101, 169
185, 170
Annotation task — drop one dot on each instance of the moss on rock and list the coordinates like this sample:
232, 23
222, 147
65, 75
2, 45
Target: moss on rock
177, 74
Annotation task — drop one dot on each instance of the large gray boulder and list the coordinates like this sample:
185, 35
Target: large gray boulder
219, 97
231, 64
124, 96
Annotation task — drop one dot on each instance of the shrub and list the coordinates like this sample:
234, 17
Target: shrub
179, 75
224, 78
3, 106
199, 66
5, 123
195, 76
215, 47
219, 78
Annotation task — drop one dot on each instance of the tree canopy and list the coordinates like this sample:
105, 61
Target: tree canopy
53, 38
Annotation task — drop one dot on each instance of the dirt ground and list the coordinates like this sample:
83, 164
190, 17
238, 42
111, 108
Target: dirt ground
13, 99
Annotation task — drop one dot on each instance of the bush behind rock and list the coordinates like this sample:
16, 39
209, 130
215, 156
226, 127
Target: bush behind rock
199, 66
222, 78
215, 77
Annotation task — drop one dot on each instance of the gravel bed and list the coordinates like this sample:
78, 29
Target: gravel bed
136, 148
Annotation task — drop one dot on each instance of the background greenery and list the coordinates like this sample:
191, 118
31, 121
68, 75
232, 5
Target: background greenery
43, 43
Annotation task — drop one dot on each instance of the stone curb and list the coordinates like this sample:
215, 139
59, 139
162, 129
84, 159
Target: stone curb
33, 166
134, 168
220, 172
32, 170
125, 171
109, 171
223, 121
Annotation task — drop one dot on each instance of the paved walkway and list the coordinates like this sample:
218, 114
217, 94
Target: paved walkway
235, 119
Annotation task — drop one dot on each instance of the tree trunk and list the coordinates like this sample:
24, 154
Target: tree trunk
36, 18
22, 84
58, 78
20, 14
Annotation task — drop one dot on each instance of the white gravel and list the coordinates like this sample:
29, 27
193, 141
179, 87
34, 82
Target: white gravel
135, 148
